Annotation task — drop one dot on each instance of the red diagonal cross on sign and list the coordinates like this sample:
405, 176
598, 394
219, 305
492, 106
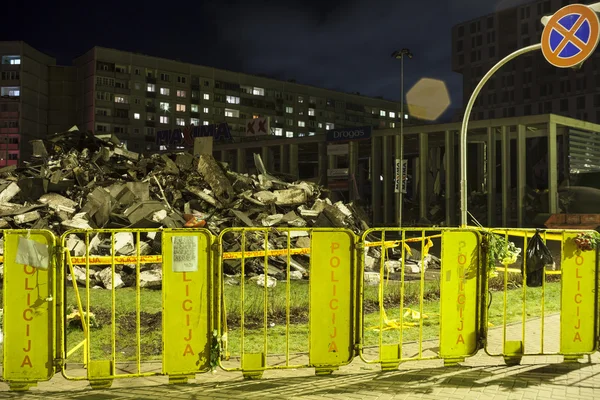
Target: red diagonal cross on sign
250, 128
569, 35
261, 126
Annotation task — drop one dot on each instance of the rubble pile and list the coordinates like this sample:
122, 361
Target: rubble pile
78, 181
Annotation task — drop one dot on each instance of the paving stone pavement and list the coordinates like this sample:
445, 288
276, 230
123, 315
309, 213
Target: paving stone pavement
479, 377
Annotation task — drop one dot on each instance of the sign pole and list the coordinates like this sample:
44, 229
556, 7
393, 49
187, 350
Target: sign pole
463, 130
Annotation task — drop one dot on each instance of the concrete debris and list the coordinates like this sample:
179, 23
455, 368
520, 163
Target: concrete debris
151, 279
260, 280
76, 180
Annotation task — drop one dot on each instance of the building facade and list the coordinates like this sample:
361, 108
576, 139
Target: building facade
135, 96
24, 76
528, 85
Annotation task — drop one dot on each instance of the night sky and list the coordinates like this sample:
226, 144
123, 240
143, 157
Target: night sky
337, 44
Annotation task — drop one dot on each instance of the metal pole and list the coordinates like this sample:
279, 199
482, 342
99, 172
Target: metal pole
463, 131
400, 151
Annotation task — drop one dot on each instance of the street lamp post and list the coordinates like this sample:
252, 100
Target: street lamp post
399, 140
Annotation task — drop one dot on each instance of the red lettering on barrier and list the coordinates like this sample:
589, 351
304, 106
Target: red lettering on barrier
333, 277
334, 262
28, 314
331, 304
26, 361
188, 350
578, 298
461, 298
334, 332
187, 306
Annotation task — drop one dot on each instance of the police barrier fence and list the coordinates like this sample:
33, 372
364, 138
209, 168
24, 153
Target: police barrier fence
388, 296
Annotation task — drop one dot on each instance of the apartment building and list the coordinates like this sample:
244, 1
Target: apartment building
135, 96
23, 99
528, 85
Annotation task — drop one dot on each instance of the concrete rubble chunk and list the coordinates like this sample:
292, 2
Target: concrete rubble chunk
105, 276
77, 180
261, 281
151, 279
8, 191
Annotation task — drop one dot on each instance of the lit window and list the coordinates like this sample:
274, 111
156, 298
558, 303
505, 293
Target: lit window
12, 91
165, 91
136, 115
205, 110
232, 113
301, 124
311, 134
151, 87
311, 112
121, 99
392, 114
300, 99
164, 119
382, 113
278, 132
258, 91
289, 134
181, 93
180, 107
137, 85
289, 110
206, 96
405, 116
233, 100
392, 124
180, 121
300, 134
194, 107
195, 121
204, 122
164, 106
329, 126
320, 125
289, 122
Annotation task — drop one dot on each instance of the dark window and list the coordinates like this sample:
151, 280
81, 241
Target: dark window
527, 109
459, 45
461, 31
490, 22
564, 105
581, 102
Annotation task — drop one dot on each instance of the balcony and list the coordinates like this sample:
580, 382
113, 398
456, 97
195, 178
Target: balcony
150, 124
122, 90
150, 79
151, 109
195, 86
124, 106
9, 115
103, 118
9, 146
151, 95
7, 131
195, 114
121, 120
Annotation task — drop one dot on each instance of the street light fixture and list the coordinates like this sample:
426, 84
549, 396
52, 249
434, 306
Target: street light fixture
399, 140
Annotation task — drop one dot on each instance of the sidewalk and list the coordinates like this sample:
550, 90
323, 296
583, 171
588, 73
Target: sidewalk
479, 377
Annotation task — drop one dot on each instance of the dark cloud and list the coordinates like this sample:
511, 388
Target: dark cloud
338, 44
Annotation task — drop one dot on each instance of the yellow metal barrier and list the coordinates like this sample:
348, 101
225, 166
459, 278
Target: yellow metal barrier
29, 319
555, 318
410, 322
121, 334
258, 321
